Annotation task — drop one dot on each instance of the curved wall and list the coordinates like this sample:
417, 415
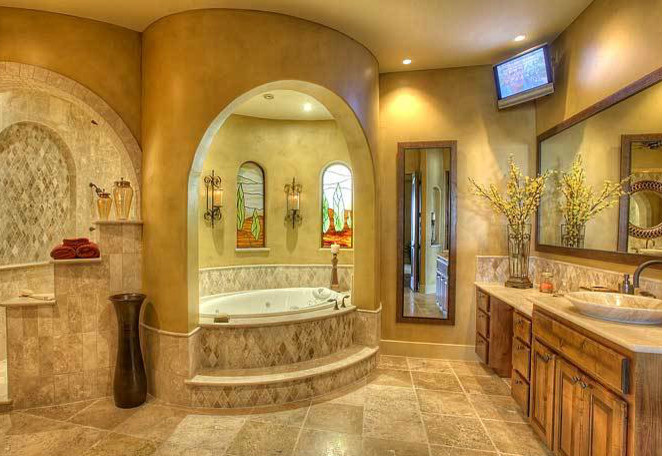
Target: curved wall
195, 65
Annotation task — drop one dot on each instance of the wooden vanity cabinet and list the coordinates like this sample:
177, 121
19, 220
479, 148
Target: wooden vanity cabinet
441, 293
494, 330
543, 367
521, 375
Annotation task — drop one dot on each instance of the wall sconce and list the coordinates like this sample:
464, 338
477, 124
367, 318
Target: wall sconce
214, 196
293, 194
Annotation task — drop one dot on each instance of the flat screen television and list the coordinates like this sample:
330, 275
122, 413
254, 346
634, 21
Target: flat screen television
524, 77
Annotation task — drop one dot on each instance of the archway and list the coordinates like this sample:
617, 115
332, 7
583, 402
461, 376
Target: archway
365, 240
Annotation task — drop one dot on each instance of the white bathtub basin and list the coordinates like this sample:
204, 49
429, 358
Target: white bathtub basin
618, 307
266, 303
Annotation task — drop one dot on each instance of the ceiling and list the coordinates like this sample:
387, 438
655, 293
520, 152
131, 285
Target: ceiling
433, 33
285, 105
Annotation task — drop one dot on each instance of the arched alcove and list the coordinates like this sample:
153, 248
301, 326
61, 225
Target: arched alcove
364, 189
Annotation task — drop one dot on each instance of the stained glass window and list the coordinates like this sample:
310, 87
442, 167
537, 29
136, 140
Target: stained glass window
337, 215
250, 206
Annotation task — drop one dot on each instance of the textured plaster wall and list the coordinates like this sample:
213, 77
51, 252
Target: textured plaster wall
610, 45
452, 104
285, 149
104, 58
195, 64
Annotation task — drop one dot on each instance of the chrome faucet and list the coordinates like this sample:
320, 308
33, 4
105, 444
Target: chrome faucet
637, 274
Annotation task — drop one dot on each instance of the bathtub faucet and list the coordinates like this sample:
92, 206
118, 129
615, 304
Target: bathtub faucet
343, 300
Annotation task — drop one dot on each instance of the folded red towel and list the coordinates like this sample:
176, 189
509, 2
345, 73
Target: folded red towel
63, 252
76, 242
89, 250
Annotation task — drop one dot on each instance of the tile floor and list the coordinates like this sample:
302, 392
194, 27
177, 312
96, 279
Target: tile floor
407, 407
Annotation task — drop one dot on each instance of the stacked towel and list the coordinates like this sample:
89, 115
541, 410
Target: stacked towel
63, 252
75, 242
89, 250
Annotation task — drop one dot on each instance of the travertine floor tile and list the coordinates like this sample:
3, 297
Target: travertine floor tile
59, 412
350, 395
169, 449
378, 447
152, 422
502, 408
515, 438
287, 415
450, 451
390, 398
206, 431
264, 439
438, 366
389, 377
394, 424
392, 362
125, 445
457, 432
335, 417
470, 368
19, 424
445, 382
103, 415
66, 440
326, 443
445, 403
485, 385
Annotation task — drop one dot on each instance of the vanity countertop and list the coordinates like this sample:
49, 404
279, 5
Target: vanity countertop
633, 337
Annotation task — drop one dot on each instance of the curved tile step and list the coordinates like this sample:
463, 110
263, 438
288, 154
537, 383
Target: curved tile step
282, 384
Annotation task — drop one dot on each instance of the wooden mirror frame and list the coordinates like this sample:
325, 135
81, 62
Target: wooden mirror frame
452, 251
615, 256
625, 228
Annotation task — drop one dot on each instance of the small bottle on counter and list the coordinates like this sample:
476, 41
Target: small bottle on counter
546, 283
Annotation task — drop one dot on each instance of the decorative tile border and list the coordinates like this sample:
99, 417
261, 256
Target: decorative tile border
566, 276
228, 279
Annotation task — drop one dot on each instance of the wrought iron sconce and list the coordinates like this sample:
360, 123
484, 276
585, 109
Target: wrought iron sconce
293, 194
214, 197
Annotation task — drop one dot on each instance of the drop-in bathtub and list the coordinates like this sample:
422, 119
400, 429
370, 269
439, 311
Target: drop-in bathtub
268, 303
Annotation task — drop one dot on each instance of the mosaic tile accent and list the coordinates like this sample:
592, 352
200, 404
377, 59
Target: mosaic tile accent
279, 393
261, 277
245, 348
37, 181
566, 276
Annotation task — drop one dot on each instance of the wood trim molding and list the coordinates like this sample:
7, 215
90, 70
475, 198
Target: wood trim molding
452, 254
620, 255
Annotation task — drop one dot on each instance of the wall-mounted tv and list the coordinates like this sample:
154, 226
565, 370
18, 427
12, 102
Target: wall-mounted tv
525, 77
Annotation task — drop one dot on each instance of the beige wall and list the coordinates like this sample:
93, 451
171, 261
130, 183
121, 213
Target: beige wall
285, 149
102, 57
452, 104
195, 65
610, 45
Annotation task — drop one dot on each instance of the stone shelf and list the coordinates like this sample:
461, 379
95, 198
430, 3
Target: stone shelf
118, 222
26, 301
77, 261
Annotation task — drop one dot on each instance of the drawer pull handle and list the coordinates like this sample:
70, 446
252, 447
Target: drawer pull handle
574, 379
584, 385
546, 358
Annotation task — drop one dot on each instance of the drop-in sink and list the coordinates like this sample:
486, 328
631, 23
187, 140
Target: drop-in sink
618, 307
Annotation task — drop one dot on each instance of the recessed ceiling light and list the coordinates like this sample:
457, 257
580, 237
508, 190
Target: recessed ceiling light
268, 96
307, 107
520, 38
406, 61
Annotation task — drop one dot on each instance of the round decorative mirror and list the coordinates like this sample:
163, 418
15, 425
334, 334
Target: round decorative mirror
645, 209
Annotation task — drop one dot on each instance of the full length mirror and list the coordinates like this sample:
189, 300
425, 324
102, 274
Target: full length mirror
426, 228
604, 200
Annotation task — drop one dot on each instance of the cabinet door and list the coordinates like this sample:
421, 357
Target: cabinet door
568, 405
604, 421
542, 392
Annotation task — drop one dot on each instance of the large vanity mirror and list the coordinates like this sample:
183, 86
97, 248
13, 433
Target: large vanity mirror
604, 199
426, 208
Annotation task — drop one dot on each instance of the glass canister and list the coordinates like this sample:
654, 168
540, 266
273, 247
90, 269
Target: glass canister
123, 195
546, 282
104, 202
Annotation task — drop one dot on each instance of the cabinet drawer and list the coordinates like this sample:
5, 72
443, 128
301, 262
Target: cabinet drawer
482, 348
595, 359
520, 392
442, 266
483, 301
483, 324
522, 327
522, 358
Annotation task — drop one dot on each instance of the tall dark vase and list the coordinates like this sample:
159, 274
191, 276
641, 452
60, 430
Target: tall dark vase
130, 382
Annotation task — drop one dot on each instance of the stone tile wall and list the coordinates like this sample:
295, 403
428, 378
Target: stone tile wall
66, 353
261, 277
368, 327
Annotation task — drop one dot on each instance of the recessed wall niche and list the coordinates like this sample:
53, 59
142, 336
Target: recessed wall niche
37, 126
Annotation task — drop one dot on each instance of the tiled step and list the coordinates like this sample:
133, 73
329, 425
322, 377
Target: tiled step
281, 384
